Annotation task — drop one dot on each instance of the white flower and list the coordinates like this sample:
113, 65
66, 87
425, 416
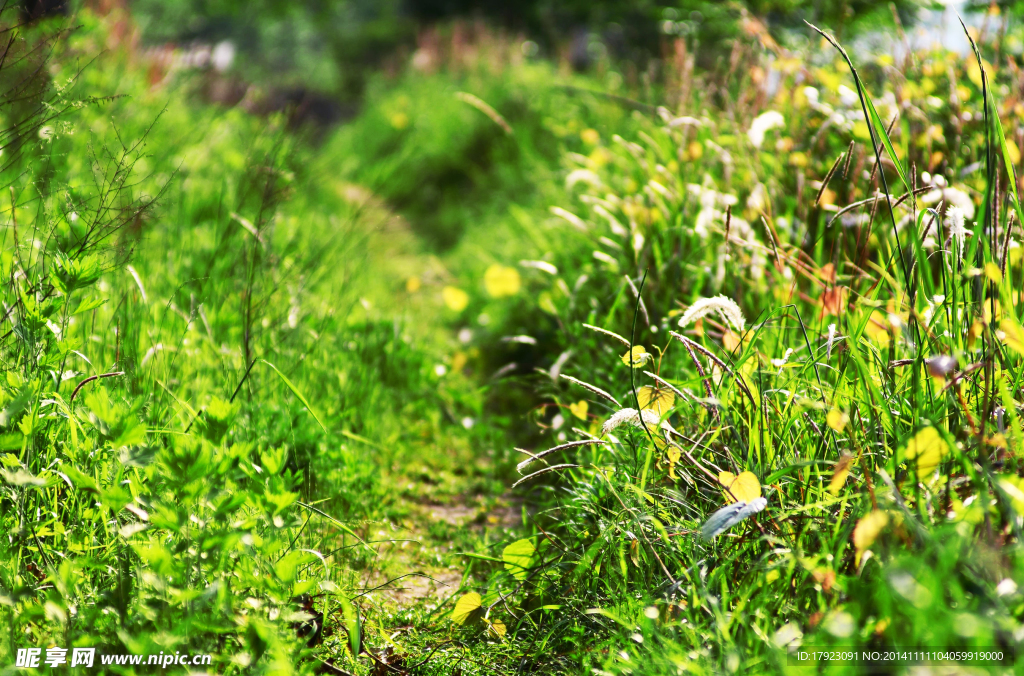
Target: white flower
779, 363
831, 339
812, 95
847, 96
724, 307
763, 123
1006, 587
758, 261
629, 415
758, 198
953, 197
957, 232
711, 202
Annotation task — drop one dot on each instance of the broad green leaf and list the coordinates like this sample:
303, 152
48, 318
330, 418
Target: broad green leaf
517, 557
287, 567
465, 607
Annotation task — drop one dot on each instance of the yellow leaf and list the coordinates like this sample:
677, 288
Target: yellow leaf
1012, 485
992, 271
867, 530
928, 448
590, 136
1013, 151
744, 487
498, 627
837, 420
730, 341
840, 473
673, 455
974, 333
455, 298
658, 400
413, 284
466, 607
1013, 335
877, 329
579, 409
399, 120
501, 281
637, 357
694, 151
459, 360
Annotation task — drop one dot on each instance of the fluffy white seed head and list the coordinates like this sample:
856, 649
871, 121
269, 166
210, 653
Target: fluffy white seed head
762, 124
724, 307
629, 416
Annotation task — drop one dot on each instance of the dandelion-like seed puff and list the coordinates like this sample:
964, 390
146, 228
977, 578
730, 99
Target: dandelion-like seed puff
726, 308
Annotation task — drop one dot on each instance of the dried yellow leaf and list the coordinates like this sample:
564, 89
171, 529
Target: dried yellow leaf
840, 473
867, 530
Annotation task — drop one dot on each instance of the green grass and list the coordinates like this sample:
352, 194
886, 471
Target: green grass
319, 354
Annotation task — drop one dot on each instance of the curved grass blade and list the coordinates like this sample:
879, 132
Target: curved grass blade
997, 126
295, 391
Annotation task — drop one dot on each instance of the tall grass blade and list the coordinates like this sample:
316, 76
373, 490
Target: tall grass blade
295, 391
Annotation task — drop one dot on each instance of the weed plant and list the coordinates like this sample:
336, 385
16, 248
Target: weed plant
783, 394
843, 354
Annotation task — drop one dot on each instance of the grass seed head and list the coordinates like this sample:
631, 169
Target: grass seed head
724, 307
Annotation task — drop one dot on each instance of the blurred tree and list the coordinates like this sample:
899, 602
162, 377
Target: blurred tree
331, 44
